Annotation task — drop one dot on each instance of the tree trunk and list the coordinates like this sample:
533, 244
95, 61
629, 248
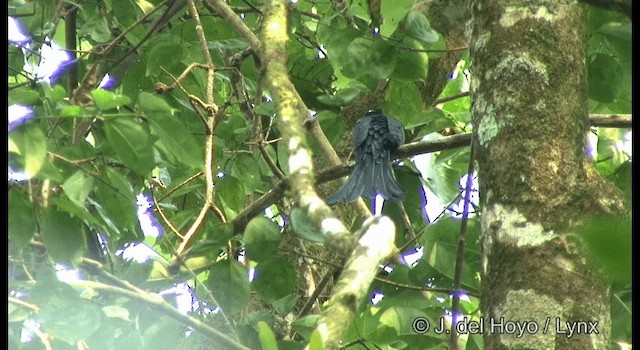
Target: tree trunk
530, 107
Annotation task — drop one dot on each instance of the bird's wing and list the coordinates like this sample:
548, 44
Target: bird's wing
396, 130
360, 131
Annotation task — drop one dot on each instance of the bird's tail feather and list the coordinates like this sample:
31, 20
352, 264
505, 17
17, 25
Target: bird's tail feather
368, 179
351, 189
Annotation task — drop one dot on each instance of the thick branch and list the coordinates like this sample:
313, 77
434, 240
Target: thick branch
360, 269
290, 108
234, 20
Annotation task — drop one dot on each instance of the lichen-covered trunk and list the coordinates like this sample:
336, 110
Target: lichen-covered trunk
530, 107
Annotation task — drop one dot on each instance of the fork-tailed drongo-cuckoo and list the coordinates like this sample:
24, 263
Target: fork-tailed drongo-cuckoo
374, 137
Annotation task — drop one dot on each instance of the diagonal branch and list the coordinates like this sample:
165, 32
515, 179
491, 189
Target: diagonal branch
405, 151
290, 110
211, 122
352, 288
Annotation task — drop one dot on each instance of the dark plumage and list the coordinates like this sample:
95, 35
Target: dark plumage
374, 137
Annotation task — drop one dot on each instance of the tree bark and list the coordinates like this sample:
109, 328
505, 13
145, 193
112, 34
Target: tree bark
529, 102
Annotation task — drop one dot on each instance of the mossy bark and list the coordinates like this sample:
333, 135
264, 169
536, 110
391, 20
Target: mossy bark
529, 105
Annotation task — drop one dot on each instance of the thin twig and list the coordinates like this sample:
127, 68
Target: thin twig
457, 277
211, 122
165, 218
189, 179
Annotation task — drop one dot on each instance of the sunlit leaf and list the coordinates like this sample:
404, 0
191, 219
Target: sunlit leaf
106, 100
22, 220
31, 143
78, 186
267, 337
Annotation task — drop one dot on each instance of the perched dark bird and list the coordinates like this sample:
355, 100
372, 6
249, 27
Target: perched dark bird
374, 137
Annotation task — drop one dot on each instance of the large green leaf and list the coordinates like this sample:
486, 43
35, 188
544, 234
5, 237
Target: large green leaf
63, 235
22, 220
175, 138
267, 337
132, 143
30, 143
232, 193
117, 200
151, 104
106, 100
261, 238
417, 27
605, 74
608, 241
304, 227
69, 320
247, 169
23, 96
78, 186
230, 286
393, 13
275, 278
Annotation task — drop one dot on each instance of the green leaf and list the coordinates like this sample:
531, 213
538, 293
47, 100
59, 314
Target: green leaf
22, 220
117, 201
78, 186
316, 342
303, 226
267, 337
417, 26
393, 13
54, 93
332, 125
247, 169
63, 235
151, 104
275, 278
232, 193
285, 305
132, 143
16, 60
306, 325
403, 102
69, 320
71, 112
608, 240
24, 96
410, 65
605, 74
163, 333
178, 142
261, 238
230, 286
30, 142
106, 100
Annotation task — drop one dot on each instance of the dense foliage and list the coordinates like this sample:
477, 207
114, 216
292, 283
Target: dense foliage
88, 199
